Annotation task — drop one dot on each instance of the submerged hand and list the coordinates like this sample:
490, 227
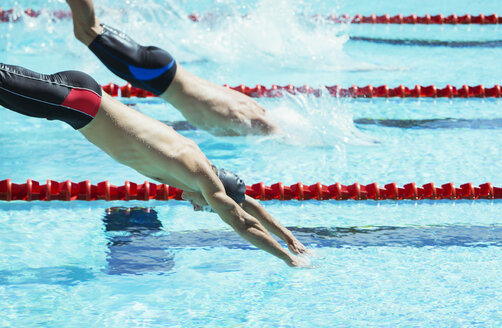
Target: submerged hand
296, 262
247, 115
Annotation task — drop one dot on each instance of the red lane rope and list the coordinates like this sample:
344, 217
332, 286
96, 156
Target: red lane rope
414, 19
68, 191
11, 15
354, 91
428, 19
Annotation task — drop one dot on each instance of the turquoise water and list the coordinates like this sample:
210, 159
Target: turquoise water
379, 264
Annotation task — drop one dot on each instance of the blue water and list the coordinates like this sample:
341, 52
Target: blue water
379, 264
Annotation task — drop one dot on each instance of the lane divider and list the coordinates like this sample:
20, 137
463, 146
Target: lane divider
354, 91
69, 191
12, 15
427, 19
429, 43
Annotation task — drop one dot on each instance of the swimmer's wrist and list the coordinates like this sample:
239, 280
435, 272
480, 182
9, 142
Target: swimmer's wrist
288, 237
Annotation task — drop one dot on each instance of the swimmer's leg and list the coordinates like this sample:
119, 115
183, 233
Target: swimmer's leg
86, 25
205, 105
71, 96
148, 68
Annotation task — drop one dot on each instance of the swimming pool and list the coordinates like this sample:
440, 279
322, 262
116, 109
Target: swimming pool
381, 264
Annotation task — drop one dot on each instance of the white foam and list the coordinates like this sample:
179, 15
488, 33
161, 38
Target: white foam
317, 121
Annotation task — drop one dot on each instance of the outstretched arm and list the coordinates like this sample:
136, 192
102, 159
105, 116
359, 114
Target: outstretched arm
215, 108
243, 223
254, 208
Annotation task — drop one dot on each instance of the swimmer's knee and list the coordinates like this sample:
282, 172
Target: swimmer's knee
78, 33
86, 31
85, 24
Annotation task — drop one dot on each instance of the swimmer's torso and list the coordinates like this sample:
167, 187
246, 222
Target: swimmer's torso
147, 145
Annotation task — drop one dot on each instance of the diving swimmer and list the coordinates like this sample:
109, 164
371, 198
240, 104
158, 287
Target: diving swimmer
205, 105
146, 145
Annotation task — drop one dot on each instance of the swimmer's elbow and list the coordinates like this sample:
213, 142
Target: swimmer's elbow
242, 224
220, 203
79, 35
239, 220
231, 213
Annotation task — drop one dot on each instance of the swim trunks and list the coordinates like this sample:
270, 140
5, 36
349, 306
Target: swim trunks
148, 68
70, 96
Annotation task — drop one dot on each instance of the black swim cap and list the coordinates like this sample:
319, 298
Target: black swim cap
234, 186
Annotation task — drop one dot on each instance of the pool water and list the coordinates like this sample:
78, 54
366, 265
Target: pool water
159, 264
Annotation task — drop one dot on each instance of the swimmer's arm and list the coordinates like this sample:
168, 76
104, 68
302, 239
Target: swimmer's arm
254, 208
244, 224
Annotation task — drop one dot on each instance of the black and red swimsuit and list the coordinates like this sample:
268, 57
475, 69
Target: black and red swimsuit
70, 96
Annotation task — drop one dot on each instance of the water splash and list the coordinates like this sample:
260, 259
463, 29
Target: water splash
271, 34
317, 121
265, 35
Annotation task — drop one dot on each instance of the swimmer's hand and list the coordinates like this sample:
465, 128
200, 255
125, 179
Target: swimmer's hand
294, 263
300, 262
296, 247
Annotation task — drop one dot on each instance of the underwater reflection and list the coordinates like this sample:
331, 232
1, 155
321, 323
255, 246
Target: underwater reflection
136, 243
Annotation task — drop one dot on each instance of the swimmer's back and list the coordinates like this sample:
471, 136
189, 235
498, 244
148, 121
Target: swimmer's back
143, 143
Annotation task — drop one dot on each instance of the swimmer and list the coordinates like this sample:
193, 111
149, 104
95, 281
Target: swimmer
205, 105
146, 145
